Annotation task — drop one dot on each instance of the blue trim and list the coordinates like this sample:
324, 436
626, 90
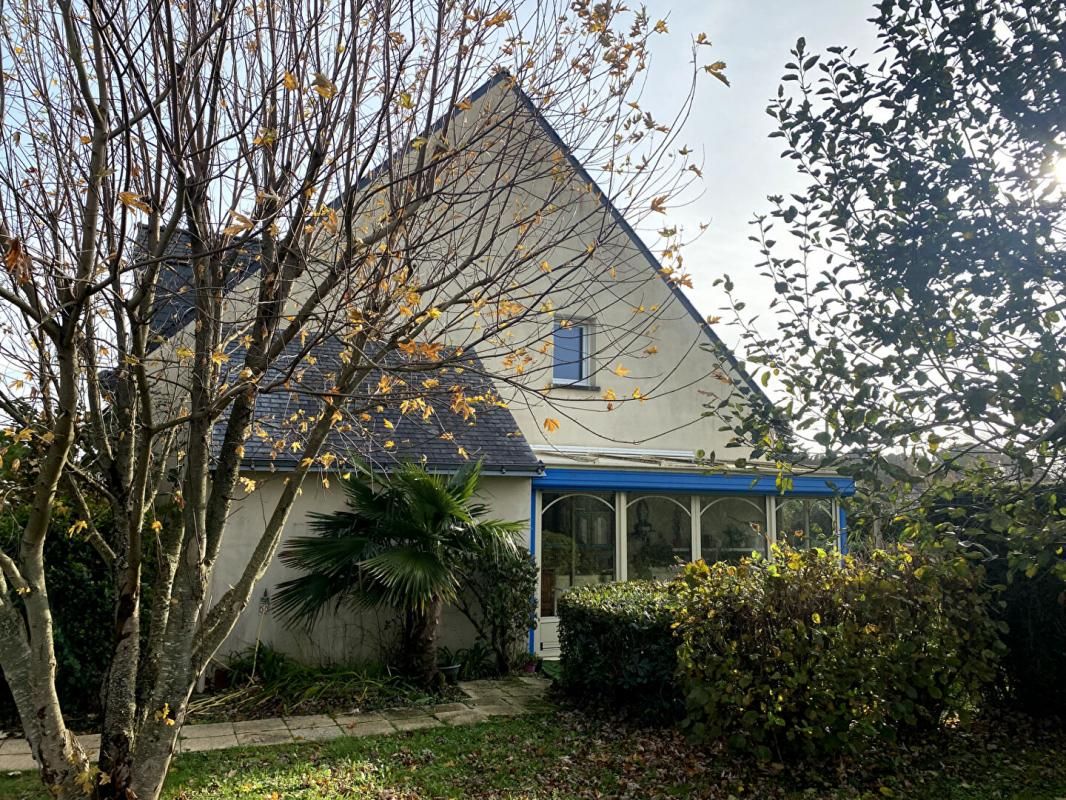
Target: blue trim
690, 482
842, 517
533, 552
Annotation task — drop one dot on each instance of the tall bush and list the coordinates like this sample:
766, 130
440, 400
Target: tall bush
78, 581
498, 599
813, 654
618, 648
1019, 528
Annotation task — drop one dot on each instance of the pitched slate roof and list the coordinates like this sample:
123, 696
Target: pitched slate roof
436, 429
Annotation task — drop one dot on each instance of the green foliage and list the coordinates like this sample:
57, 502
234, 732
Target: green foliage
618, 648
813, 654
1021, 532
919, 275
402, 542
475, 662
263, 682
80, 588
498, 599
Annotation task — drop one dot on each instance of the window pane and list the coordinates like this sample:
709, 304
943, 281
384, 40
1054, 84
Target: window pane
660, 533
568, 346
806, 523
577, 547
732, 527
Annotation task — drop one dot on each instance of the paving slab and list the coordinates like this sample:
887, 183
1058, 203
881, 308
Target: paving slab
17, 762
211, 730
373, 728
209, 743
358, 718
404, 713
320, 733
14, 747
260, 725
264, 737
311, 721
416, 723
445, 708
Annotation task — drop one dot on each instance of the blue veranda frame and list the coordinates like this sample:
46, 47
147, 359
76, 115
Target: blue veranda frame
566, 478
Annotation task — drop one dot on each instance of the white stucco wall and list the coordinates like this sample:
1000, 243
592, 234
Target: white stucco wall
346, 637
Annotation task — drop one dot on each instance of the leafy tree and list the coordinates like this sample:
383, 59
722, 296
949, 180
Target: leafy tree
920, 281
197, 200
403, 542
920, 276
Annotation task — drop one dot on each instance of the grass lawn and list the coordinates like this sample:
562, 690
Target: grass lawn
564, 755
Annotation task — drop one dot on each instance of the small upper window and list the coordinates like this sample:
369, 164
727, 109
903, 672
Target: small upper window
570, 346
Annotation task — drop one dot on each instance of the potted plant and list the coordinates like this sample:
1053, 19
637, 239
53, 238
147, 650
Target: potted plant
528, 663
448, 665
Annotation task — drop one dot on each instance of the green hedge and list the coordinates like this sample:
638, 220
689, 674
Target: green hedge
813, 654
618, 649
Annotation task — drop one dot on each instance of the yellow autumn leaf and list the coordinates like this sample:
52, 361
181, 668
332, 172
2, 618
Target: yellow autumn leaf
184, 353
620, 371
651, 350
463, 105
157, 526
405, 100
77, 527
551, 425
545, 266
324, 86
389, 444
500, 18
289, 81
218, 358
240, 224
660, 27
133, 200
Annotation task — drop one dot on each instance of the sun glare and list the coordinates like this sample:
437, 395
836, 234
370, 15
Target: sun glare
1059, 170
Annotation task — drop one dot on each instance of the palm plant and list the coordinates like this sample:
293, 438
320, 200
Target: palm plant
401, 542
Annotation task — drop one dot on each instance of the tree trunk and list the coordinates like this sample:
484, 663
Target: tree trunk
424, 643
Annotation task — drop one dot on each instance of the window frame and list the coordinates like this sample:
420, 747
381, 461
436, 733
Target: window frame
587, 344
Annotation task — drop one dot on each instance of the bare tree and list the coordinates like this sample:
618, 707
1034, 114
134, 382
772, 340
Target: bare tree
198, 199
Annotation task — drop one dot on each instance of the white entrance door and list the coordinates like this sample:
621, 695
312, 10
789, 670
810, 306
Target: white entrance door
576, 546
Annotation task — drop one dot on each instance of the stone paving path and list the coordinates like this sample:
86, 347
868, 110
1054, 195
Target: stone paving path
484, 699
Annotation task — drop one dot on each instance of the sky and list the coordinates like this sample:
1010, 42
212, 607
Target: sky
730, 125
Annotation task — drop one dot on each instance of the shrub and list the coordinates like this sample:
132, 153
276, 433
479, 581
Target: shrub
499, 602
80, 592
618, 649
813, 654
1021, 531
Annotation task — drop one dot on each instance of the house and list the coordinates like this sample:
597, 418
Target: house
589, 429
